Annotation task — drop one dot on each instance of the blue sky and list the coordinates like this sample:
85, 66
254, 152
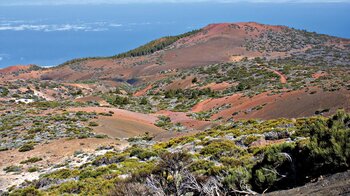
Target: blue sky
67, 2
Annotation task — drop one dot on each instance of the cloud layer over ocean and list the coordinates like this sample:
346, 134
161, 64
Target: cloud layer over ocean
80, 2
8, 25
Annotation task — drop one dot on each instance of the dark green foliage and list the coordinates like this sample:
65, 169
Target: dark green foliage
31, 160
62, 174
142, 154
12, 168
188, 93
155, 45
33, 169
3, 149
121, 100
28, 191
144, 101
93, 124
26, 147
201, 166
276, 170
329, 148
109, 158
145, 137
163, 121
326, 152
217, 149
194, 80
319, 146
4, 91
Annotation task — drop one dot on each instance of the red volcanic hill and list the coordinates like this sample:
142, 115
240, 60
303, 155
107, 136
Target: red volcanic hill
13, 69
215, 43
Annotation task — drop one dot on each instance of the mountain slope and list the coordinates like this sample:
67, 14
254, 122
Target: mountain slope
215, 43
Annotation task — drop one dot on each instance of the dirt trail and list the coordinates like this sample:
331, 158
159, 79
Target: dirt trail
43, 95
283, 78
142, 92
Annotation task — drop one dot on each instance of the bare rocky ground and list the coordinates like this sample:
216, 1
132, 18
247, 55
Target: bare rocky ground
337, 184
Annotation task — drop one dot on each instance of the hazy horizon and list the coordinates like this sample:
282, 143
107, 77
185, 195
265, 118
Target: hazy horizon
50, 35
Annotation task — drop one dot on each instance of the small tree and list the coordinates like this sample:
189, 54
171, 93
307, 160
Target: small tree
194, 80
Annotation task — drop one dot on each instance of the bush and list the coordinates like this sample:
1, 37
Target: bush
12, 168
33, 169
219, 148
62, 174
3, 149
31, 160
144, 101
93, 124
26, 147
109, 158
142, 154
238, 179
28, 191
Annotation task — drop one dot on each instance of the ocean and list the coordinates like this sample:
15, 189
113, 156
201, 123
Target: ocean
51, 35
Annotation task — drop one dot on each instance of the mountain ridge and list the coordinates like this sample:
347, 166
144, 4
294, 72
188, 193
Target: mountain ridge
215, 43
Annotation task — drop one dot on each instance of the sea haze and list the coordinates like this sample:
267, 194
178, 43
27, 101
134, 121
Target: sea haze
50, 35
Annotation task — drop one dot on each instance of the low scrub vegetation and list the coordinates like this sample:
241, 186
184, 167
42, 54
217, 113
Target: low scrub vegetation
221, 160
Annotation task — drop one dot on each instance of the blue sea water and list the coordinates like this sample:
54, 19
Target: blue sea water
50, 35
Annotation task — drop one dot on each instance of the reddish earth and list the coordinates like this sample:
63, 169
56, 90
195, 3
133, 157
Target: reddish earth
193, 126
215, 103
15, 68
319, 74
55, 151
180, 84
143, 92
81, 86
218, 86
123, 123
181, 117
213, 44
294, 104
99, 100
283, 78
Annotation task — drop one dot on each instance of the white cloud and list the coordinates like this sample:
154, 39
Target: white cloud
30, 26
79, 2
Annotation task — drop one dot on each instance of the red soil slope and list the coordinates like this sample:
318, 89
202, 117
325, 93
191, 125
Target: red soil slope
294, 104
15, 68
123, 123
213, 44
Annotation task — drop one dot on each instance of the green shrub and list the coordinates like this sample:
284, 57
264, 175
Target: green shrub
142, 154
3, 149
109, 158
93, 124
26, 147
31, 160
28, 191
33, 169
218, 148
238, 179
12, 168
201, 166
62, 174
